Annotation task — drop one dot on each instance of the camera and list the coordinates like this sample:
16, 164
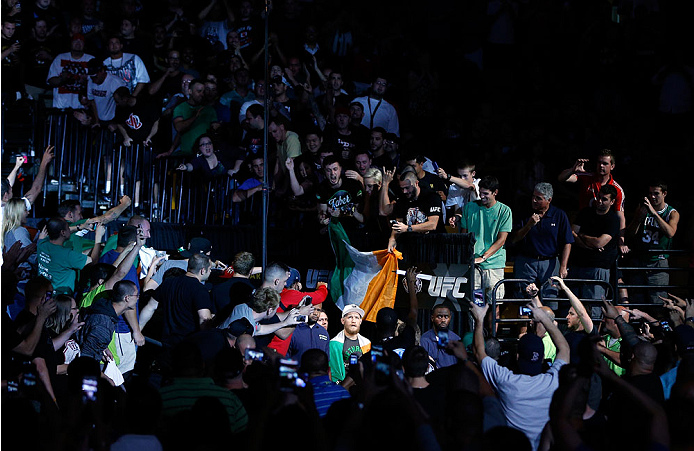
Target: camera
308, 300
301, 318
353, 359
253, 354
442, 336
525, 311
393, 222
666, 326
478, 298
289, 375
90, 387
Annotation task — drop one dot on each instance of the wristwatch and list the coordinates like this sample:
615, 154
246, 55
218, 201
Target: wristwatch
409, 228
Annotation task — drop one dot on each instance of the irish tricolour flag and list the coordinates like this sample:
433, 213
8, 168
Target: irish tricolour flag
368, 279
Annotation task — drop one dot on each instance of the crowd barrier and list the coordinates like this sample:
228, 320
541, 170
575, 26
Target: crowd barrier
93, 166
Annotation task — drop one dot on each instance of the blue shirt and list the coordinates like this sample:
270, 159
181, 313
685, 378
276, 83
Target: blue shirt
548, 237
325, 393
306, 337
443, 357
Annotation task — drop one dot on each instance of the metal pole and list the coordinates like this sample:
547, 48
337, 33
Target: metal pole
266, 118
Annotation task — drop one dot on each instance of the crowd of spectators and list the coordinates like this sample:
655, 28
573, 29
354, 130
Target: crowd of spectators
385, 119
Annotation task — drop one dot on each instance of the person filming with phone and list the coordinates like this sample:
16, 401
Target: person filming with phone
436, 339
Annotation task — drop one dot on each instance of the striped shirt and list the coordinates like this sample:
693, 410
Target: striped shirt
182, 394
325, 393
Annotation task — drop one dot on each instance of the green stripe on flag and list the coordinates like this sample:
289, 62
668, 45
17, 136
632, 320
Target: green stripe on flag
343, 262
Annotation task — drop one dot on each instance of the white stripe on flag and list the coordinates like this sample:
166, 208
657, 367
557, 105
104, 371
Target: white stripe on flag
365, 268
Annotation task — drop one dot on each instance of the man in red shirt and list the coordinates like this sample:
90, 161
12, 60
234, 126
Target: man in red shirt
591, 182
291, 297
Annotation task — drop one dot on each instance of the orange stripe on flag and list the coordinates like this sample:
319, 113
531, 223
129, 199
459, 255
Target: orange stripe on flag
384, 285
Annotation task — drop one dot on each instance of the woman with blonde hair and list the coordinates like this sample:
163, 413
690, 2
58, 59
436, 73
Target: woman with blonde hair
12, 230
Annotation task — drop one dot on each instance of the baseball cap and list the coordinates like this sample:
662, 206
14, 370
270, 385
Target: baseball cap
197, 245
342, 110
352, 308
239, 327
531, 353
294, 276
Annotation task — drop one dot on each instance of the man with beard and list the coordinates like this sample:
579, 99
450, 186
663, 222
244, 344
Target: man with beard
419, 211
339, 199
349, 341
596, 235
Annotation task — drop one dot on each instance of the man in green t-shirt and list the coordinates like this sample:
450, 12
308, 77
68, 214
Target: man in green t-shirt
191, 119
60, 264
71, 211
490, 221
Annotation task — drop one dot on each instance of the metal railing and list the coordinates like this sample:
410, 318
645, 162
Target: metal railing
593, 304
92, 166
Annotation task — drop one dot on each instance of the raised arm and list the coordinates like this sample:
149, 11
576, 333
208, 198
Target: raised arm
570, 174
411, 276
478, 313
45, 309
576, 304
36, 187
385, 207
13, 174
123, 267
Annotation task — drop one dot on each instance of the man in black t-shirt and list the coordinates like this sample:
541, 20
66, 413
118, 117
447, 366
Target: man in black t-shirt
136, 119
596, 235
418, 211
339, 199
185, 300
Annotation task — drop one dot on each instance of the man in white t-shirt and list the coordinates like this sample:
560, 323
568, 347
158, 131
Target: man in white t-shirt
100, 88
68, 75
127, 66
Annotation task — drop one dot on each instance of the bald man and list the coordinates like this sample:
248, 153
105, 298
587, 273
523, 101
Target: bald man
640, 371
